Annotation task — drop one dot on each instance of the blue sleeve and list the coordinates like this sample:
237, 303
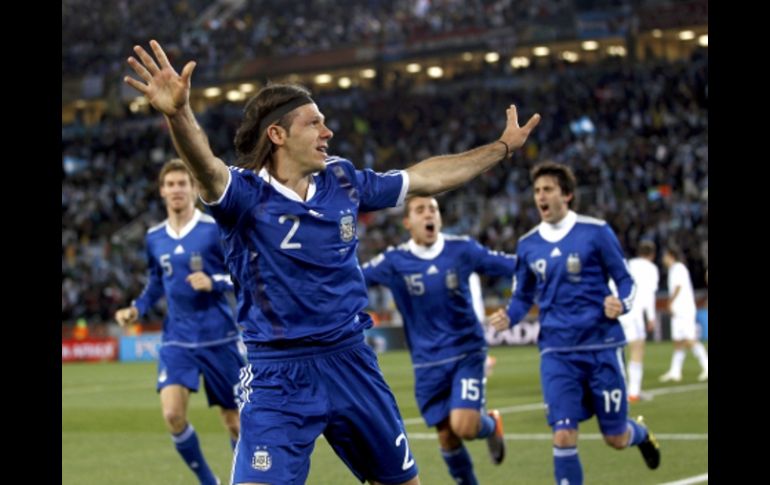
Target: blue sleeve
377, 271
380, 190
490, 262
239, 196
153, 290
615, 264
221, 280
522, 292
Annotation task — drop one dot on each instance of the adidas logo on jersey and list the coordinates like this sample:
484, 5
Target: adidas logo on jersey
179, 249
432, 269
555, 253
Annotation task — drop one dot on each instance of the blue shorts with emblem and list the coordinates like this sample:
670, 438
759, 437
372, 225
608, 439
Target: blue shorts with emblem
339, 391
579, 384
450, 384
219, 365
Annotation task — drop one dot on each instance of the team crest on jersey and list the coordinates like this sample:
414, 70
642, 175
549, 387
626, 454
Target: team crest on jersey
347, 228
573, 263
261, 460
196, 262
451, 280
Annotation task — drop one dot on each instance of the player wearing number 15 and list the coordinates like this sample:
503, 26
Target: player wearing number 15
429, 277
288, 217
567, 261
186, 264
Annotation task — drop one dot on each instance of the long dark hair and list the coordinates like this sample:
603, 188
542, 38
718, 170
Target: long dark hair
252, 145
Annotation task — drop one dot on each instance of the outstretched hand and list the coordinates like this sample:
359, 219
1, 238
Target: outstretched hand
166, 90
514, 136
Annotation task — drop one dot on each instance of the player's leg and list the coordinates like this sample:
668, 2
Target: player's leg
679, 332
177, 376
365, 427
220, 366
232, 424
467, 417
634, 331
455, 454
696, 347
562, 378
635, 369
282, 412
610, 405
434, 391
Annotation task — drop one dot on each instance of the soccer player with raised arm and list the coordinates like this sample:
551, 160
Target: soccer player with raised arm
565, 264
288, 215
429, 277
187, 265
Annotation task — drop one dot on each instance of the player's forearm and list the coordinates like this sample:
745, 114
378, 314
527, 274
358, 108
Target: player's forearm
517, 310
445, 172
193, 147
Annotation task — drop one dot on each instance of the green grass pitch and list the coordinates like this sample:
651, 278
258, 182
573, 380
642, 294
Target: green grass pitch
112, 430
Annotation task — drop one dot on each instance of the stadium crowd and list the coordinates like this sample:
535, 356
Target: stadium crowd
219, 33
635, 134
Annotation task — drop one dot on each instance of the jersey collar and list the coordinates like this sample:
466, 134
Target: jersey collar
187, 227
284, 190
556, 232
425, 252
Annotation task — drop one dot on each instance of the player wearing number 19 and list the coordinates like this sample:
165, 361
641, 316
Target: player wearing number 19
567, 261
186, 264
288, 217
429, 278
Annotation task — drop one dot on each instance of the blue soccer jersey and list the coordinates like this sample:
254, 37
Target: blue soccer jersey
194, 318
567, 267
431, 289
295, 261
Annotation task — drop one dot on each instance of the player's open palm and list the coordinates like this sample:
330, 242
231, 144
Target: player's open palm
166, 90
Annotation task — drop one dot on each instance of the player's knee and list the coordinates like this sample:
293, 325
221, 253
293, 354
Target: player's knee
175, 420
447, 439
617, 441
465, 428
564, 438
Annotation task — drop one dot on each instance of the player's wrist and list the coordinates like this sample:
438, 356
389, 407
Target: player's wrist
507, 149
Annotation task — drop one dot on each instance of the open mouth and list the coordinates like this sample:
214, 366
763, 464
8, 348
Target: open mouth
322, 149
430, 227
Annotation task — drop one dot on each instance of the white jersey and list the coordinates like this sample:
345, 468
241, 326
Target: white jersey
646, 276
684, 304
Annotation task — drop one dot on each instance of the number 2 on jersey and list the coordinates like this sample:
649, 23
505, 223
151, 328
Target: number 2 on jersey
286, 243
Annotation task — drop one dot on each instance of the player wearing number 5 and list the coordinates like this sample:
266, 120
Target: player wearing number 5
429, 277
186, 264
566, 262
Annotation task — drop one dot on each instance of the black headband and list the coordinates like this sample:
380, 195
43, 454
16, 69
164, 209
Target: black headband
281, 110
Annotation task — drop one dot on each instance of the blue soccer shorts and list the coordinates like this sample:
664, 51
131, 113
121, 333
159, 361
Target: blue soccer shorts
340, 392
219, 364
451, 384
580, 384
